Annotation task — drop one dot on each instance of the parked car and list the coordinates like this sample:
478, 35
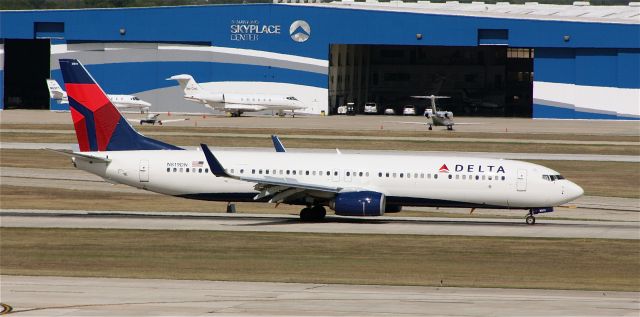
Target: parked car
389, 111
342, 109
370, 108
409, 110
351, 109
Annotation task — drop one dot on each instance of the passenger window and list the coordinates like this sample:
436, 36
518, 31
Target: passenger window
435, 176
259, 171
335, 173
253, 171
199, 170
477, 177
457, 176
464, 176
421, 175
379, 174
489, 177
408, 175
294, 172
360, 174
307, 173
320, 173
387, 174
242, 171
367, 174
187, 170
503, 178
450, 176
394, 175
206, 170
273, 172
314, 173
482, 177
266, 171
429, 176
415, 175
181, 170
288, 172
168, 169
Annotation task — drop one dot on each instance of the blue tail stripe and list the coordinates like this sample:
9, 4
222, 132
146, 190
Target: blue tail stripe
89, 121
126, 138
73, 73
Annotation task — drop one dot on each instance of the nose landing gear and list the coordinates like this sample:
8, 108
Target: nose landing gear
315, 213
530, 219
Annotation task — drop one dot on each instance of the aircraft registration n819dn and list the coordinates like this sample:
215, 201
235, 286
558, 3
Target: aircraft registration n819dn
350, 184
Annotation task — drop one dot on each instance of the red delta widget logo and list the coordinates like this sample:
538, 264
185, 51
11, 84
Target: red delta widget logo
473, 168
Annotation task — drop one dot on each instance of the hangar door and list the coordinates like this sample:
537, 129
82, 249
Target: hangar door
26, 66
487, 80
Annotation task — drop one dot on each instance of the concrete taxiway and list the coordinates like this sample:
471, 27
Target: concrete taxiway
73, 296
333, 224
362, 122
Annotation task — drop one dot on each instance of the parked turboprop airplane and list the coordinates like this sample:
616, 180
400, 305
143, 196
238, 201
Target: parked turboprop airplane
350, 184
120, 101
437, 117
152, 119
236, 104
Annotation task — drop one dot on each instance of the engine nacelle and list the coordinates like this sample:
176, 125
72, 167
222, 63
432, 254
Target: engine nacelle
209, 97
390, 209
364, 203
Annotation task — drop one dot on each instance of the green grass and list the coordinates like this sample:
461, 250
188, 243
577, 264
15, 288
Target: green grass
589, 264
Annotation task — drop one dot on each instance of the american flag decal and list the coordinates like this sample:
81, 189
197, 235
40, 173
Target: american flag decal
197, 163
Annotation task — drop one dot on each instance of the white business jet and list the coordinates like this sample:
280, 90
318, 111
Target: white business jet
122, 102
236, 104
350, 184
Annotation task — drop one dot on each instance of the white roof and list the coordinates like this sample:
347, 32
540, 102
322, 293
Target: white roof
580, 11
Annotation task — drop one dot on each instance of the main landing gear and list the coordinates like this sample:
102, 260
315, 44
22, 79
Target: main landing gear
315, 213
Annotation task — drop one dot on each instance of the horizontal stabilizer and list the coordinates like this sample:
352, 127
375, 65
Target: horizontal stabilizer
81, 156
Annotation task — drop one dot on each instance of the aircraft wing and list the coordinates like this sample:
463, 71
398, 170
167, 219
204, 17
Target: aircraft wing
243, 107
171, 120
277, 188
408, 122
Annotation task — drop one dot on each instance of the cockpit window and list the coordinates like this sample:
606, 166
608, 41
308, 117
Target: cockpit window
135, 98
552, 178
291, 98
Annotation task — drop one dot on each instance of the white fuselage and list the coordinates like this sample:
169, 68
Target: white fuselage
246, 102
123, 102
404, 179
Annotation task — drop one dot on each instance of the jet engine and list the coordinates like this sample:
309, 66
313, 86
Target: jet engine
363, 203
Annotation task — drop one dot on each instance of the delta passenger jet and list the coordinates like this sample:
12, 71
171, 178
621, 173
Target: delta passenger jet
350, 184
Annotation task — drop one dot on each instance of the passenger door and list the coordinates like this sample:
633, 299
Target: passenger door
521, 182
143, 170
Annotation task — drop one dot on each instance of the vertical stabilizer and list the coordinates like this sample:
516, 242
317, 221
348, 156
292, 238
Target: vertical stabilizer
98, 123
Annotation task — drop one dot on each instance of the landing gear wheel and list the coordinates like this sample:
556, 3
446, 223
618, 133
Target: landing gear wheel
315, 213
306, 214
430, 128
530, 220
318, 213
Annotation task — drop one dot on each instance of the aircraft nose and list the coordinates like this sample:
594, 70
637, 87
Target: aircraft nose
574, 191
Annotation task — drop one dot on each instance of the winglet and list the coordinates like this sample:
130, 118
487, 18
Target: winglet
216, 168
277, 144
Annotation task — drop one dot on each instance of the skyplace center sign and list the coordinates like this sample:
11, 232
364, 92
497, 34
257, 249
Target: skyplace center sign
252, 30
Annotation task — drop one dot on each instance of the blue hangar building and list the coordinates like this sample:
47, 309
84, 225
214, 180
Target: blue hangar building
542, 61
